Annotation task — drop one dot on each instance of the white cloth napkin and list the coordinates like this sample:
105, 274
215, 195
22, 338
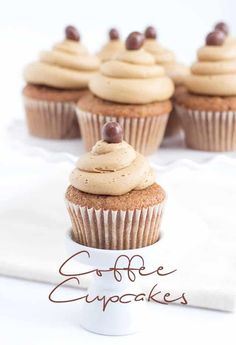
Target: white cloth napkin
198, 232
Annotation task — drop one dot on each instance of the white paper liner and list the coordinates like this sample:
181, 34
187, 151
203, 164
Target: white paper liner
145, 134
209, 130
52, 120
108, 229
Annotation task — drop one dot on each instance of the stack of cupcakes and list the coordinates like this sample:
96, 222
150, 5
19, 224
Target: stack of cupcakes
207, 108
113, 200
55, 84
174, 69
132, 90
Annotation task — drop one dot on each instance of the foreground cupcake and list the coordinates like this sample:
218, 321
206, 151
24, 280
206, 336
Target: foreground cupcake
133, 91
208, 108
54, 85
174, 69
112, 48
113, 200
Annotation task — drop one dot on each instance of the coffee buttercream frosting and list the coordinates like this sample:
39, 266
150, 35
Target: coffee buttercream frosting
68, 65
166, 58
133, 78
112, 169
214, 74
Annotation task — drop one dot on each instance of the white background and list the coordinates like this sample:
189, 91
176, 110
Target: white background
26, 27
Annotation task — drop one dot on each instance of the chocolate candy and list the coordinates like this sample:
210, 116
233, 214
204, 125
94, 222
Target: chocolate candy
114, 34
134, 41
112, 132
221, 26
72, 33
150, 32
215, 38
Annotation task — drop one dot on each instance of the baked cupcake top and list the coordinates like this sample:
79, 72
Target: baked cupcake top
68, 65
165, 57
113, 167
112, 47
214, 74
133, 77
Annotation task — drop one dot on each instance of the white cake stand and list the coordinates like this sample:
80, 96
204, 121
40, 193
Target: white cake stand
117, 318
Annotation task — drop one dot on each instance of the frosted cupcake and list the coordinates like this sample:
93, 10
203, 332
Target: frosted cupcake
112, 48
54, 85
133, 91
113, 200
208, 108
174, 69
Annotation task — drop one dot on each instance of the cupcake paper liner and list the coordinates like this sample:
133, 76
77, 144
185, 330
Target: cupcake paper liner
173, 125
51, 120
108, 229
144, 134
209, 130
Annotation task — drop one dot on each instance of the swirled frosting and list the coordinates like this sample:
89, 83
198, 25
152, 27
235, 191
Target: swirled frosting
214, 74
67, 66
112, 169
133, 78
166, 58
110, 50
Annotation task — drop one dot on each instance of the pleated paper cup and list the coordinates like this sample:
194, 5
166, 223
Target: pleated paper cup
108, 229
145, 134
173, 125
209, 130
51, 120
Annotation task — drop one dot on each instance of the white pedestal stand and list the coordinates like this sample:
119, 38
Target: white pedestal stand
117, 318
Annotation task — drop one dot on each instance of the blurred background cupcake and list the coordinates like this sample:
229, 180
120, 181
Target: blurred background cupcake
54, 84
112, 47
222, 26
131, 90
113, 199
174, 69
207, 108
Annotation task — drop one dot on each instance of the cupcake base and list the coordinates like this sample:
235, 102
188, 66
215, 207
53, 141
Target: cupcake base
209, 122
143, 125
112, 222
209, 130
50, 113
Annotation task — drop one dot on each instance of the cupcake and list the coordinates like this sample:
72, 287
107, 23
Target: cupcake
131, 90
112, 48
207, 108
54, 85
174, 69
113, 200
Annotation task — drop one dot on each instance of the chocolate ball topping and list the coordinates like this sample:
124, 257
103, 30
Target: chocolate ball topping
215, 38
112, 133
72, 33
221, 26
114, 34
134, 41
150, 32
